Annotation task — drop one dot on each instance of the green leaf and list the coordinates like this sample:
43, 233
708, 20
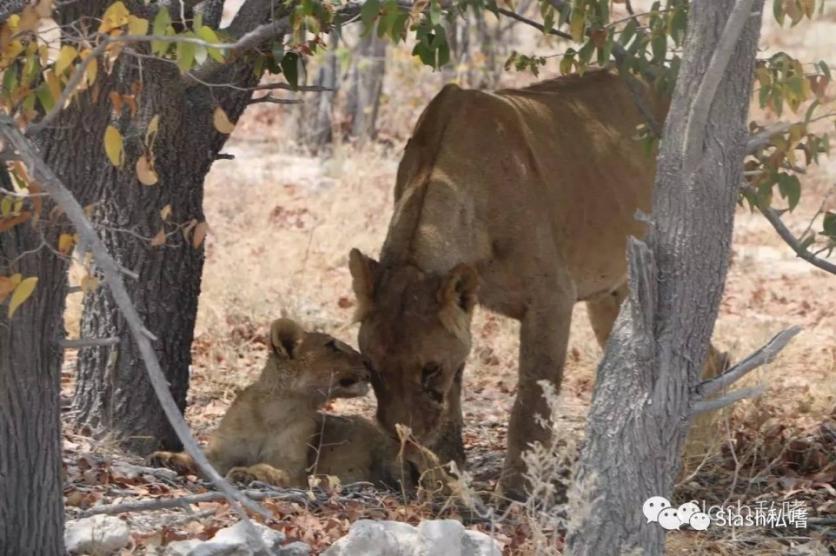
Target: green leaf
435, 13
290, 68
628, 32
790, 189
778, 11
368, 13
162, 28
185, 55
208, 34
45, 97
659, 46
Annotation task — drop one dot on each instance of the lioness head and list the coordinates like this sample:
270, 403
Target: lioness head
415, 330
315, 364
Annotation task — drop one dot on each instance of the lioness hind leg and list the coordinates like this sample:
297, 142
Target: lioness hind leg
178, 461
263, 472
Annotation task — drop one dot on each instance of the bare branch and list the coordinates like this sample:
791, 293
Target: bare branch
531, 23
765, 354
697, 118
50, 183
775, 219
273, 100
761, 139
723, 401
88, 342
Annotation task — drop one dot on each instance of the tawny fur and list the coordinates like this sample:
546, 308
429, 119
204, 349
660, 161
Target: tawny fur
524, 198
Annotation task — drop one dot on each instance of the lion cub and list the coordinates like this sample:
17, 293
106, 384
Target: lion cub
267, 433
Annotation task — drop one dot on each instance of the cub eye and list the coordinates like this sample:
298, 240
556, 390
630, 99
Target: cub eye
332, 345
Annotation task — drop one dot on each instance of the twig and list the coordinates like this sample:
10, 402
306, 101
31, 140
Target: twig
761, 139
167, 503
775, 219
273, 100
730, 398
522, 19
50, 183
765, 354
88, 342
697, 117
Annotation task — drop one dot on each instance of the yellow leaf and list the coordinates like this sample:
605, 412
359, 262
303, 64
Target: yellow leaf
114, 17
92, 71
158, 239
22, 293
53, 84
165, 212
89, 283
137, 25
66, 56
151, 132
145, 172
199, 234
113, 146
221, 121
66, 243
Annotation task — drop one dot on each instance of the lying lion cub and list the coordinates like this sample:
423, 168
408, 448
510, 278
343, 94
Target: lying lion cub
270, 431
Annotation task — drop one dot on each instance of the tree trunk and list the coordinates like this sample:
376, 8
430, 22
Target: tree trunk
31, 489
366, 86
113, 395
646, 382
315, 128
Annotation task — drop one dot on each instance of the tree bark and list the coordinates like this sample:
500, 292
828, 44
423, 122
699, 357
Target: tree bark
647, 380
366, 86
315, 128
31, 489
113, 395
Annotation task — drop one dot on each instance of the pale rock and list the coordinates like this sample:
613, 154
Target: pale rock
99, 534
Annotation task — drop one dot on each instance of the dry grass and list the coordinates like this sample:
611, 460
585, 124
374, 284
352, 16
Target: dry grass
281, 226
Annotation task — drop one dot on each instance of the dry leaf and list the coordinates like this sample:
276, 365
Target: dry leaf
151, 132
89, 283
158, 239
65, 58
165, 212
66, 242
221, 121
199, 234
145, 171
7, 285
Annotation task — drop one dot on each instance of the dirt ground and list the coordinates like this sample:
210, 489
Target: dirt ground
281, 226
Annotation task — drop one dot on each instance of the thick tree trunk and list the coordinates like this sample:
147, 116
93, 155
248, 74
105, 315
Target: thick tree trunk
31, 490
646, 382
366, 87
113, 395
315, 115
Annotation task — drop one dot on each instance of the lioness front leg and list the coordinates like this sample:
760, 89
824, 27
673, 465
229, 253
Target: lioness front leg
263, 472
544, 336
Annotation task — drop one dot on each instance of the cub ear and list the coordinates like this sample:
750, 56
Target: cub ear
457, 297
285, 337
364, 274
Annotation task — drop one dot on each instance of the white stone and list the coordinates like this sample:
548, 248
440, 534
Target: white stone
232, 541
99, 534
442, 537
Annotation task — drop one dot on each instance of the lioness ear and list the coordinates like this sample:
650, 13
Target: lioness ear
457, 297
285, 337
363, 273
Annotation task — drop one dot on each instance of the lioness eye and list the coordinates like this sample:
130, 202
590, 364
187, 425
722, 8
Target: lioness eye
428, 372
332, 345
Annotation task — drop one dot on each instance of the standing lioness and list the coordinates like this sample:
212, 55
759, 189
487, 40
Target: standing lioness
529, 194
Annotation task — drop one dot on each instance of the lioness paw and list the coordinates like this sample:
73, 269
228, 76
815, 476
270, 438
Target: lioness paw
178, 461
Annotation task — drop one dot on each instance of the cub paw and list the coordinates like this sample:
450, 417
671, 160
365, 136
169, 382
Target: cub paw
178, 461
261, 472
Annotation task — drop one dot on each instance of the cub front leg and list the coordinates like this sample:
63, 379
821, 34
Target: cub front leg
263, 472
178, 461
544, 337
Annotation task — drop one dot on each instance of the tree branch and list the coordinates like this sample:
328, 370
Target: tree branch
697, 118
724, 401
50, 183
774, 218
765, 354
88, 342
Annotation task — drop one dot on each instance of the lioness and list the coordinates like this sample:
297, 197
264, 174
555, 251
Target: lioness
267, 431
527, 195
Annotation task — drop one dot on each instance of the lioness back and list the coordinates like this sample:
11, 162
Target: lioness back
563, 159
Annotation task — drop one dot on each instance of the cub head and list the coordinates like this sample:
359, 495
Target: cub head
415, 330
315, 364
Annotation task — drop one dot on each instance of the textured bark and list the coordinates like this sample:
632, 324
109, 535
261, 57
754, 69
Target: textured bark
113, 395
645, 391
31, 490
366, 87
315, 119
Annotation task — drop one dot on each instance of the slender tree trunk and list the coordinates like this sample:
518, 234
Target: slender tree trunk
113, 395
646, 382
31, 490
366, 86
315, 128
